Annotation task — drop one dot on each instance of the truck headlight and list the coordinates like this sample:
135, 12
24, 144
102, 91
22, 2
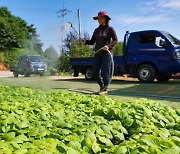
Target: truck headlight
177, 54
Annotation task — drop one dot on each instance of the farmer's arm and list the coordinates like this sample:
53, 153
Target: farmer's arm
114, 38
92, 40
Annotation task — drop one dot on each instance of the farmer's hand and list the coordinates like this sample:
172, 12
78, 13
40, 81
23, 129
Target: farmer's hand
83, 41
106, 48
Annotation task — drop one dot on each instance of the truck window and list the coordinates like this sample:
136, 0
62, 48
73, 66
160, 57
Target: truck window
23, 60
172, 39
36, 59
150, 38
146, 39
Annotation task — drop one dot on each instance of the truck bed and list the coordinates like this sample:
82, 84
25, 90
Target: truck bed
83, 63
88, 61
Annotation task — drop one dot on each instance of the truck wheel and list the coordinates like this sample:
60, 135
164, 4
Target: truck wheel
26, 74
16, 75
89, 74
146, 73
76, 72
163, 78
41, 74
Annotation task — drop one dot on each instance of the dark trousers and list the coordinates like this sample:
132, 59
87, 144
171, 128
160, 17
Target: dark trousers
102, 67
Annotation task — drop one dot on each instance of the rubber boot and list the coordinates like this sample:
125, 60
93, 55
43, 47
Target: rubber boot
101, 87
103, 90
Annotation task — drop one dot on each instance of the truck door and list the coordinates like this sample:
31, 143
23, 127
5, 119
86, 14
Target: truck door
23, 64
20, 64
148, 49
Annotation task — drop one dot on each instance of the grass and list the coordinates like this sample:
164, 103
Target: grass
120, 88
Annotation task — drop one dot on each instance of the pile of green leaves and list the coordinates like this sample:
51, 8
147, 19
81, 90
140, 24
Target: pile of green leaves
34, 121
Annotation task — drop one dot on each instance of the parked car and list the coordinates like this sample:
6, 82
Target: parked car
29, 64
147, 55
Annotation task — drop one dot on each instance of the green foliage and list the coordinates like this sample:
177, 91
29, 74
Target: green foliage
117, 50
11, 56
73, 49
13, 30
34, 121
51, 56
4, 12
63, 62
2, 56
16, 33
33, 44
77, 50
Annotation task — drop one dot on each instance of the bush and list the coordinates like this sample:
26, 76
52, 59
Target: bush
11, 56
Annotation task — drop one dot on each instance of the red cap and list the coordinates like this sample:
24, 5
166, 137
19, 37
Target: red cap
102, 14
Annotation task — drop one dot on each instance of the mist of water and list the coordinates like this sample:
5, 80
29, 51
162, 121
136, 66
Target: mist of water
64, 28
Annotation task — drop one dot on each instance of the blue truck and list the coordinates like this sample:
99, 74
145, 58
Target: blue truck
29, 64
147, 55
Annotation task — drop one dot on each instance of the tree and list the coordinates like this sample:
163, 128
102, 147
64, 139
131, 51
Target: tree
16, 33
73, 49
17, 37
117, 49
51, 56
78, 51
63, 62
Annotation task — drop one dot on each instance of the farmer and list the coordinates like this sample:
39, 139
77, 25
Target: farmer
105, 38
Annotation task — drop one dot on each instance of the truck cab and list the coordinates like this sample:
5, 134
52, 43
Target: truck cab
151, 54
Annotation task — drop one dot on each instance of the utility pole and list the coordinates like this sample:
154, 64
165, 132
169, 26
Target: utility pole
79, 23
63, 12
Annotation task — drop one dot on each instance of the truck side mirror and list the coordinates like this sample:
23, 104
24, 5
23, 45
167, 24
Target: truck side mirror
162, 43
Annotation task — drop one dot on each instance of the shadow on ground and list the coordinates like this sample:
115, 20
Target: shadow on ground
121, 87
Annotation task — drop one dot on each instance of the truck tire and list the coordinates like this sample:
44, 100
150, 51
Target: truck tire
26, 74
15, 75
89, 74
146, 73
41, 74
76, 72
163, 78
